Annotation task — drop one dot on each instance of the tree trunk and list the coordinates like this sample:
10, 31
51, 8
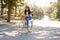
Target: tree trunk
15, 11
1, 7
58, 13
9, 14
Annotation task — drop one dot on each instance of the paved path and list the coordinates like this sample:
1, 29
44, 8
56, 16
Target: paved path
9, 32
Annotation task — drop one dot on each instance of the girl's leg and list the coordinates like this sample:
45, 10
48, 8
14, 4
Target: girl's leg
22, 29
27, 25
31, 25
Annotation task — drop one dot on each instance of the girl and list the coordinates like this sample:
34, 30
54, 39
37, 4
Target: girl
27, 17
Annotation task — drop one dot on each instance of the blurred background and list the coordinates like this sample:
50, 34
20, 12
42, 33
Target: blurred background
12, 9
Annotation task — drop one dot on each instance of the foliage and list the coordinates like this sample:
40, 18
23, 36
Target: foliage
10, 4
58, 13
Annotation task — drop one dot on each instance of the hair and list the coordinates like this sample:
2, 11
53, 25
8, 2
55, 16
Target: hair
29, 12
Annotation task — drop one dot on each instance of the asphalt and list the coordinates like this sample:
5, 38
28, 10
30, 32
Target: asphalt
10, 32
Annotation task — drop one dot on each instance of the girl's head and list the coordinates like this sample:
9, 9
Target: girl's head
27, 9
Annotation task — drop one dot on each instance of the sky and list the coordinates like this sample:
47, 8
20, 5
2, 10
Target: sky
41, 3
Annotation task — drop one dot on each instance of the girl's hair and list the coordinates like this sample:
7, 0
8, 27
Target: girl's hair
29, 12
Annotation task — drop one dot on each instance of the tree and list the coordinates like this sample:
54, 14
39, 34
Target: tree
1, 7
52, 10
20, 4
10, 4
58, 13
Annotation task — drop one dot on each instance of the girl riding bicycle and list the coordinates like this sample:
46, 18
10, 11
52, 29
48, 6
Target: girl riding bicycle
27, 17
